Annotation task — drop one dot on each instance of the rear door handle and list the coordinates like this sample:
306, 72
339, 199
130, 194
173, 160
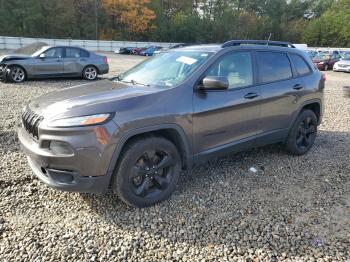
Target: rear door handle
298, 87
251, 95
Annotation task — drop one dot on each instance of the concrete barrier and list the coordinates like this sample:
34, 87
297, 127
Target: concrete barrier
12, 43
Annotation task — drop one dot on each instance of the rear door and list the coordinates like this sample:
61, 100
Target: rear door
223, 117
279, 93
51, 64
74, 61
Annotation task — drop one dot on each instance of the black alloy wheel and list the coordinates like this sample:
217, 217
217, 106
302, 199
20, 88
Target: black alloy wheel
303, 133
148, 171
152, 173
306, 133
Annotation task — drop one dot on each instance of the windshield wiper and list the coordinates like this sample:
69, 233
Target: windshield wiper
134, 82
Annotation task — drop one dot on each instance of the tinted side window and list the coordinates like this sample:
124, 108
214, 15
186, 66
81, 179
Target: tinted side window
72, 52
56, 52
84, 53
300, 65
236, 67
273, 66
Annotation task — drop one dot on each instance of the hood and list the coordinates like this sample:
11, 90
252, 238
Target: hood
13, 57
97, 97
344, 62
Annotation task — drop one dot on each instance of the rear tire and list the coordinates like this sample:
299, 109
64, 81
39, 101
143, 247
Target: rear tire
16, 74
148, 171
303, 133
90, 73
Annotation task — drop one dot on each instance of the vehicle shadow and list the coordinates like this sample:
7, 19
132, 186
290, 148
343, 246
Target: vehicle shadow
224, 203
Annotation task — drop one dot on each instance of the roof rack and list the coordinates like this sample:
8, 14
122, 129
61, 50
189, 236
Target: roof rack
257, 42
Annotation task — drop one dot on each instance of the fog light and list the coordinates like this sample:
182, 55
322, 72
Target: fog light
61, 148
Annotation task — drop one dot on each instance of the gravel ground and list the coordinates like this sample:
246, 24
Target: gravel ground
292, 209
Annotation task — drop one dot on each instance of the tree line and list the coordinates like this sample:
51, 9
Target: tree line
316, 22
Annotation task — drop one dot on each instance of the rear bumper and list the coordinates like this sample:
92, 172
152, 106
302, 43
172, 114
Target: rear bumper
103, 69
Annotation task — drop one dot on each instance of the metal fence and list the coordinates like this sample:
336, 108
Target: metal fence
12, 43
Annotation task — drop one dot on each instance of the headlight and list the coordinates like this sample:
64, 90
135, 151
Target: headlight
80, 121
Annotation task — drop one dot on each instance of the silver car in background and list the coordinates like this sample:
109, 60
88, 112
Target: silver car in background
53, 61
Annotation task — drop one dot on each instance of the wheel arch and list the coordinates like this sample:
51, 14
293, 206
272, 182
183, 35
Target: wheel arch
21, 66
314, 105
98, 71
9, 66
172, 132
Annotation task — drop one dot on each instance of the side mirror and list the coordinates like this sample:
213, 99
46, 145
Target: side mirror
214, 83
42, 56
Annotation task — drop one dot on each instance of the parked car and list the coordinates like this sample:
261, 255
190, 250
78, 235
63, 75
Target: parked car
137, 132
171, 47
124, 50
325, 61
344, 64
150, 50
54, 61
312, 53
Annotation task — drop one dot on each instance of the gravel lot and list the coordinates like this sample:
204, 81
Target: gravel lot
293, 208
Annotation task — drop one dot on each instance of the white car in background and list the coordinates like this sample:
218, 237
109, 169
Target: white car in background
343, 65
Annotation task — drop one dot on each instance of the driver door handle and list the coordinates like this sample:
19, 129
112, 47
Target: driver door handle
298, 87
251, 95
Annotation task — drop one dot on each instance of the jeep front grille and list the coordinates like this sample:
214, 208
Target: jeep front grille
31, 122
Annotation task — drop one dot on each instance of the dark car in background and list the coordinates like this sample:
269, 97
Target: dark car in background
150, 50
125, 50
137, 132
53, 61
325, 60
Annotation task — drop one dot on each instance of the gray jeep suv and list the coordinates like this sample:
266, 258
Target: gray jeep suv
137, 132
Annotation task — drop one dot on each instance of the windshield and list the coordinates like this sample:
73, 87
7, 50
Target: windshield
346, 56
39, 51
321, 57
165, 70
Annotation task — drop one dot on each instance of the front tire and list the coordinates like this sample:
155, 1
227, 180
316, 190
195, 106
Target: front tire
148, 171
303, 133
90, 73
16, 74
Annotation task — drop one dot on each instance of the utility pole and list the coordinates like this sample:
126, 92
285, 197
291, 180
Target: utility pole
96, 20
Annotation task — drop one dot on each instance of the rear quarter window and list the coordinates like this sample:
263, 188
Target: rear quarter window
273, 67
300, 65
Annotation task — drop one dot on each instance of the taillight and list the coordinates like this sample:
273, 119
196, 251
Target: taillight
105, 60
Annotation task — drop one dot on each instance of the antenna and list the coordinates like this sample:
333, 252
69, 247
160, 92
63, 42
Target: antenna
268, 40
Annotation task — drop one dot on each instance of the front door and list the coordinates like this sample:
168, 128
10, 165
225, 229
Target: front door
51, 64
225, 117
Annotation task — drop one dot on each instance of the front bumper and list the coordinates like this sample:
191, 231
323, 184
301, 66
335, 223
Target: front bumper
341, 69
68, 180
85, 170
3, 73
